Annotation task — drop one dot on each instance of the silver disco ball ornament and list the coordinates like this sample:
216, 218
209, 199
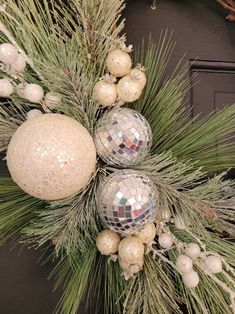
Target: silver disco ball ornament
123, 137
128, 200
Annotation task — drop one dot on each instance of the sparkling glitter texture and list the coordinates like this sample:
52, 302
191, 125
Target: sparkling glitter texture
128, 201
123, 137
51, 156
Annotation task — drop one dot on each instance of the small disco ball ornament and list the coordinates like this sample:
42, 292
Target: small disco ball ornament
128, 201
51, 156
122, 137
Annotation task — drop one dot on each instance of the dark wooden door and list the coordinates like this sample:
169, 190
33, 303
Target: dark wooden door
201, 31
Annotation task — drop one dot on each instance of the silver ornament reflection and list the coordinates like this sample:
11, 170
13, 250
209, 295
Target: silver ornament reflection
123, 137
128, 201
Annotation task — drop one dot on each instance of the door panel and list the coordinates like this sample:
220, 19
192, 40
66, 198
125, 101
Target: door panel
213, 87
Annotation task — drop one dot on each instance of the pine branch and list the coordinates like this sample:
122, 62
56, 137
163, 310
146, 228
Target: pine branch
16, 210
197, 300
74, 222
11, 117
162, 103
65, 43
152, 291
74, 274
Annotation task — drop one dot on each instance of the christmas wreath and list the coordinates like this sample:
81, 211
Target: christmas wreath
108, 166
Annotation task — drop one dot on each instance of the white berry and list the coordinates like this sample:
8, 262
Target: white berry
193, 250
213, 264
118, 63
33, 93
52, 100
166, 240
20, 90
107, 242
184, 263
148, 234
128, 89
34, 113
139, 76
19, 65
105, 93
6, 88
132, 267
191, 279
131, 249
8, 53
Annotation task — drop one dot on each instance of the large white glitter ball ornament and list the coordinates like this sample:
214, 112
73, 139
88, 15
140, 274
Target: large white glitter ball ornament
8, 53
33, 93
128, 201
105, 93
6, 88
122, 137
129, 89
118, 62
51, 157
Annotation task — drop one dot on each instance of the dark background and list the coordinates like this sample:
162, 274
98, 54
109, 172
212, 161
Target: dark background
201, 31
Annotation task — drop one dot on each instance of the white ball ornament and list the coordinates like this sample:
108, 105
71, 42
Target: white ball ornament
128, 89
118, 63
213, 264
131, 249
166, 240
52, 100
8, 53
148, 234
191, 279
34, 113
33, 93
19, 65
6, 88
105, 93
139, 76
193, 250
51, 157
107, 242
184, 263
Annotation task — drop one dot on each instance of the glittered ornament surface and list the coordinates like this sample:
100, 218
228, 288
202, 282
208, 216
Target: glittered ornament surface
123, 137
51, 156
128, 201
